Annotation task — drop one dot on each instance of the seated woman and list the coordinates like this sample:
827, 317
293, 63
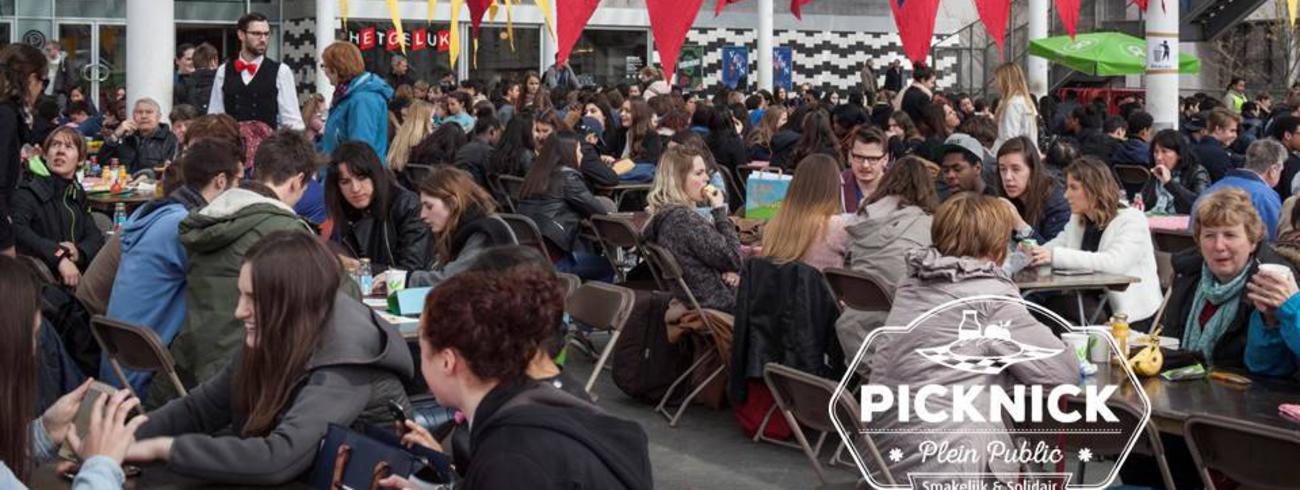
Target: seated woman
26, 442
1209, 310
809, 226
696, 143
971, 239
462, 216
706, 247
767, 138
1176, 177
372, 216
1105, 236
526, 434
1041, 210
51, 214
1273, 343
556, 198
894, 219
312, 357
817, 137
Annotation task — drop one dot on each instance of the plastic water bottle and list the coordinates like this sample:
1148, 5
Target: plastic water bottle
365, 279
1138, 204
119, 217
94, 166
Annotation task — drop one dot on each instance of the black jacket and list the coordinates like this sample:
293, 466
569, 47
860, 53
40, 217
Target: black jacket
474, 158
1215, 158
1290, 168
777, 151
1230, 351
198, 89
594, 171
728, 150
140, 152
560, 210
651, 147
1192, 181
1052, 219
535, 436
400, 241
50, 210
14, 132
915, 101
784, 314
894, 78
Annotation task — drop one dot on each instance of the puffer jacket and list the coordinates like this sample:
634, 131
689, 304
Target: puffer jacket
400, 240
50, 210
142, 152
704, 248
1125, 248
355, 370
877, 246
360, 115
216, 238
560, 210
932, 280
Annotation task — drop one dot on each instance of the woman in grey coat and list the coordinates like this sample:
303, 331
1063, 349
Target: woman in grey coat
970, 234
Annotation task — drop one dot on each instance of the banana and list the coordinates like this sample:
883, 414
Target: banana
1148, 361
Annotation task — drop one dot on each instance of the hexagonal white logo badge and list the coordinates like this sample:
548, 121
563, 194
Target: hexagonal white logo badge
975, 394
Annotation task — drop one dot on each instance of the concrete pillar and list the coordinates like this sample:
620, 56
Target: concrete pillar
1036, 70
1162, 64
549, 47
150, 52
325, 19
765, 15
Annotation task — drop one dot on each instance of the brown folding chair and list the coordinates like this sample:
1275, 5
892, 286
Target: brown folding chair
1132, 176
1165, 272
135, 347
803, 399
1104, 439
604, 307
618, 237
671, 272
526, 232
571, 282
858, 290
1251, 454
511, 184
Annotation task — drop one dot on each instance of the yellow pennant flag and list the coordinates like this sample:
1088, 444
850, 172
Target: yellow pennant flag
492, 11
397, 23
428, 18
1291, 13
510, 26
343, 12
454, 46
545, 5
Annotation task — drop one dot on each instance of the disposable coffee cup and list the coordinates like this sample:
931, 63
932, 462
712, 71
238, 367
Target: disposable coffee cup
1078, 342
1277, 270
1098, 348
395, 280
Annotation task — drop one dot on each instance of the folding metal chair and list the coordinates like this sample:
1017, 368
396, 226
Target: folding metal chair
135, 347
1165, 272
604, 307
803, 400
510, 185
526, 232
670, 271
1132, 178
571, 282
618, 237
1251, 454
858, 290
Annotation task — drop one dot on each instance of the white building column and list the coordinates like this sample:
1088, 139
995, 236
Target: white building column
150, 52
1036, 67
765, 15
1162, 64
325, 19
550, 48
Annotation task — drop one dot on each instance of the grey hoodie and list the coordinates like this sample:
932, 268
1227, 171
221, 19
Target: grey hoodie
932, 280
355, 371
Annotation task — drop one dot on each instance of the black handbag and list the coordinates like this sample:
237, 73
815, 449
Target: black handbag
349, 460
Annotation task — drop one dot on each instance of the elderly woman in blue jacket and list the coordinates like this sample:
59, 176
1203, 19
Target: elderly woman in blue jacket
360, 108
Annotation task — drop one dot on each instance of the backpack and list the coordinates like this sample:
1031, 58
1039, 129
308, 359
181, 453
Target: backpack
645, 363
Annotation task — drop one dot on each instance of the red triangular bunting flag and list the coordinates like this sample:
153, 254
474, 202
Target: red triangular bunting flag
1068, 10
717, 9
476, 10
1142, 4
670, 20
915, 21
572, 17
796, 5
994, 14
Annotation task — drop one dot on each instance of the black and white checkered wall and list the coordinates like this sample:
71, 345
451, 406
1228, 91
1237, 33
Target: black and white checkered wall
299, 51
825, 59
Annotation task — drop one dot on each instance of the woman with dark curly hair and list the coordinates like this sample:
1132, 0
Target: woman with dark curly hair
524, 434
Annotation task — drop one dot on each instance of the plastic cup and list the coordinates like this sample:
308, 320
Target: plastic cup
395, 280
1079, 343
1098, 348
1278, 270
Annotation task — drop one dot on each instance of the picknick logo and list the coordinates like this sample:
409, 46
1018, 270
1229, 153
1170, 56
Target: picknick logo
976, 394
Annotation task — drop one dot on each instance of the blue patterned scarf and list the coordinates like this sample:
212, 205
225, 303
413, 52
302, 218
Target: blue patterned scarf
1203, 338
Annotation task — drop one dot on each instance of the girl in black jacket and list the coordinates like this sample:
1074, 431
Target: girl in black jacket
556, 198
1177, 179
51, 215
22, 78
373, 217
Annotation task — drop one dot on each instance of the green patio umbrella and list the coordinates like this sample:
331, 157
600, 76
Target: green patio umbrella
1103, 54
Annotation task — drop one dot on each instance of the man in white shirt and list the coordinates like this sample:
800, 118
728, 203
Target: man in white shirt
264, 90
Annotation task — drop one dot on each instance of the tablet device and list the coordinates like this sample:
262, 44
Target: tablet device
81, 423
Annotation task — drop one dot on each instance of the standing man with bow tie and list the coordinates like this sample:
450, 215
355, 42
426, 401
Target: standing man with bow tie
253, 87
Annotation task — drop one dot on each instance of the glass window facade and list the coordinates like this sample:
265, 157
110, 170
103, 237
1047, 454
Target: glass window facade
426, 48
609, 57
89, 8
496, 61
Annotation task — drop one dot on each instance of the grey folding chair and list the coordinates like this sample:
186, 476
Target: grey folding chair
1165, 272
526, 232
511, 185
858, 290
619, 239
1220, 444
605, 307
134, 347
803, 399
670, 272
571, 282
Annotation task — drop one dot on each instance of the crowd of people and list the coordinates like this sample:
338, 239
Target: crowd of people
243, 268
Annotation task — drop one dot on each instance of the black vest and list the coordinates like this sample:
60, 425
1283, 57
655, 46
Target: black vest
255, 101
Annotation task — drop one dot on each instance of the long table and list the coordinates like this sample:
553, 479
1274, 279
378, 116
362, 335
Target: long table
1172, 402
154, 476
1029, 280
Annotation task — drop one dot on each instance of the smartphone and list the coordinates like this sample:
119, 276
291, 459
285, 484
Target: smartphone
399, 413
81, 423
1071, 272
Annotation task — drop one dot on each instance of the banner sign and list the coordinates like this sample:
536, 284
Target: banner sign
783, 67
690, 67
735, 66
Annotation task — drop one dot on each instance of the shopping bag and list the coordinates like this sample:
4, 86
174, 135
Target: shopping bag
764, 192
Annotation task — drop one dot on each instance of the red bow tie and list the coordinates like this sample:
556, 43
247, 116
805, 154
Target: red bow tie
241, 66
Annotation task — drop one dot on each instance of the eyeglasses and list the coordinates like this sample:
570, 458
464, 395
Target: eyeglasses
872, 159
258, 33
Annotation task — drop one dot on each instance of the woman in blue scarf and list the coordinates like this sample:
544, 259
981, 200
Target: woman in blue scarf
1209, 310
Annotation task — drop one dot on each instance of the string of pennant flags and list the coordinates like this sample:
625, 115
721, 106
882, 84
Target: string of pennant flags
671, 20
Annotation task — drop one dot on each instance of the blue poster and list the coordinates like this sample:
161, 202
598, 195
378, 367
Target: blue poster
735, 66
783, 67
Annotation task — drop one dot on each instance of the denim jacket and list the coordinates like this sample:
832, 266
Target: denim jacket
97, 473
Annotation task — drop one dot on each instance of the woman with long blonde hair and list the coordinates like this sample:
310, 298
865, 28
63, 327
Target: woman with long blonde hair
418, 125
1016, 115
809, 226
